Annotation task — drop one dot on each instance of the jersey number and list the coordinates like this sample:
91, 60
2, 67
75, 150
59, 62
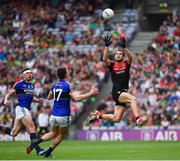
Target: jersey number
58, 91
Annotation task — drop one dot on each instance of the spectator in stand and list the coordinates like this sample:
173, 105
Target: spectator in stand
30, 30
43, 121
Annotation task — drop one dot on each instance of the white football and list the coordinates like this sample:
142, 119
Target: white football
108, 13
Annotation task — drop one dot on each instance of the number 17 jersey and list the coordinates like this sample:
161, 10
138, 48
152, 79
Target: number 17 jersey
61, 105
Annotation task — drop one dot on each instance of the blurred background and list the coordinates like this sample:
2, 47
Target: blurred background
44, 34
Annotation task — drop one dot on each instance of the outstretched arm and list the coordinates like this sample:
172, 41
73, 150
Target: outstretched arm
78, 97
129, 55
105, 56
37, 100
107, 42
126, 50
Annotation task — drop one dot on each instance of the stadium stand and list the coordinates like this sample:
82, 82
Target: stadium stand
44, 36
154, 81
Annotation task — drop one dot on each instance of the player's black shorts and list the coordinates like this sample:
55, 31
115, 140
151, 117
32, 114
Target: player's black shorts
115, 96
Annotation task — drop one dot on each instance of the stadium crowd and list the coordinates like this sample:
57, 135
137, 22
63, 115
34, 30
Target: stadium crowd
155, 77
43, 37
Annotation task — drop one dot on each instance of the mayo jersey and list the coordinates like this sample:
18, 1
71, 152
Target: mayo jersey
61, 106
120, 75
24, 92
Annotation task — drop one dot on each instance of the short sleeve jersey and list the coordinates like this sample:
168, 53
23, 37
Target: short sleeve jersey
24, 92
61, 91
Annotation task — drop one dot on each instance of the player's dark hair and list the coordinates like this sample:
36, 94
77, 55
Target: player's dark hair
61, 72
121, 51
26, 69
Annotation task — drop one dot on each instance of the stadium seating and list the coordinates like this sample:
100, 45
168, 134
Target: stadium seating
45, 37
154, 81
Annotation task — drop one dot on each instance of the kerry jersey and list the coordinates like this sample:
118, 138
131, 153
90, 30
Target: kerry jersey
120, 75
24, 92
61, 106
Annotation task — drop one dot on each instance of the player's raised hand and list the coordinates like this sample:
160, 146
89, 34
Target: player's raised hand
107, 40
122, 42
94, 91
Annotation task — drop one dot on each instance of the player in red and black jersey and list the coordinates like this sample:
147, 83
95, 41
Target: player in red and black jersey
119, 69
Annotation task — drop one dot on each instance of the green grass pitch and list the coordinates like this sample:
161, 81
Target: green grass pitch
97, 150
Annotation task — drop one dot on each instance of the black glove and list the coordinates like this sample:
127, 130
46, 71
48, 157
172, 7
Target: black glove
107, 40
122, 43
